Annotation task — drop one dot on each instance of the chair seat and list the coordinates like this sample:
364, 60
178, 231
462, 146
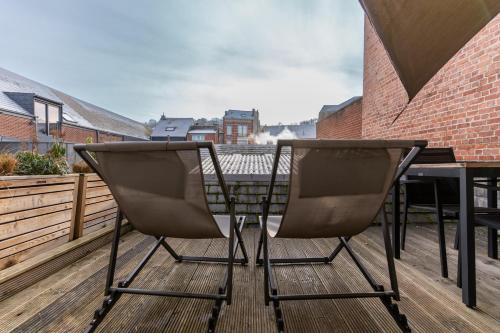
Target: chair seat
224, 223
273, 224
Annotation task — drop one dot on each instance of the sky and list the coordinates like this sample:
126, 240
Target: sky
190, 58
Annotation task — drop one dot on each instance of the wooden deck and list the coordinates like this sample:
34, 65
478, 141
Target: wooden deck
65, 301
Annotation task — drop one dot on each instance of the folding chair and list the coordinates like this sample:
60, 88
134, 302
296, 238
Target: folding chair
336, 189
159, 188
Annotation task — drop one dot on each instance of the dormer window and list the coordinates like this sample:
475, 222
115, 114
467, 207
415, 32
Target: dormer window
170, 129
48, 116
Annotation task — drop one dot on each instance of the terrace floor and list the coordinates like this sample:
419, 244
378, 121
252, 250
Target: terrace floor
66, 300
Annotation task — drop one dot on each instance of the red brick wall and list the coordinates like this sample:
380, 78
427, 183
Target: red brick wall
459, 107
343, 124
234, 123
208, 137
78, 134
106, 137
21, 128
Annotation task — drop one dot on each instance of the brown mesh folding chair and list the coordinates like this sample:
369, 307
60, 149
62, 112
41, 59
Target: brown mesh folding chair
336, 189
159, 188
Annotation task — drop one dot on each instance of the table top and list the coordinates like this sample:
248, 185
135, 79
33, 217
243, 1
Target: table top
462, 164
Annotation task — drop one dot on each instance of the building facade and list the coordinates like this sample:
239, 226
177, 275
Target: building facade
31, 111
240, 125
343, 121
203, 133
459, 107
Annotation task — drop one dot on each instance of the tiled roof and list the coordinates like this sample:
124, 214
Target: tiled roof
13, 86
180, 127
247, 162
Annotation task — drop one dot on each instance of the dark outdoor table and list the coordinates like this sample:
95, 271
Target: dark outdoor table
465, 172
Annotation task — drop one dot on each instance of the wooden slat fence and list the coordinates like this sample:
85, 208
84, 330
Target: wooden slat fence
39, 213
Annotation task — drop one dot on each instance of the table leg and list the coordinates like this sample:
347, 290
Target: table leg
492, 233
467, 246
396, 217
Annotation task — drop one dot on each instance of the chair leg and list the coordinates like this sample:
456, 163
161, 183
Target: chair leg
405, 221
240, 241
457, 237
492, 243
258, 260
459, 269
441, 236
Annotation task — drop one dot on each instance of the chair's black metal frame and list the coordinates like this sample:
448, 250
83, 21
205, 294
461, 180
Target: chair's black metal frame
430, 156
386, 296
224, 293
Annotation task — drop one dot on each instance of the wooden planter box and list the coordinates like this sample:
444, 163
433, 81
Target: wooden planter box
96, 207
39, 213
36, 214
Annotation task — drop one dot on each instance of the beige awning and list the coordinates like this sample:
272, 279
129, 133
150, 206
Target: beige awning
420, 36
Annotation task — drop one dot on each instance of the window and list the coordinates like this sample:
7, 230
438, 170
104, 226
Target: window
47, 117
242, 130
170, 129
198, 137
229, 130
53, 118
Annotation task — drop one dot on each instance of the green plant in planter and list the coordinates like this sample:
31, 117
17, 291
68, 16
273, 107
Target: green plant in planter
57, 151
33, 163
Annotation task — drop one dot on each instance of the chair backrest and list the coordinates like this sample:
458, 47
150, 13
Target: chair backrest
448, 188
158, 185
337, 187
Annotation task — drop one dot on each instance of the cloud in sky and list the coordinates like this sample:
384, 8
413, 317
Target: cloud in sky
190, 58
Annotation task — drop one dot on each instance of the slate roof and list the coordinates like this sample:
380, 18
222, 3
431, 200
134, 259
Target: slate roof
240, 114
181, 127
302, 131
326, 110
15, 89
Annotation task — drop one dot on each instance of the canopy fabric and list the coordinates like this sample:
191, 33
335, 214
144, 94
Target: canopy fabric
420, 36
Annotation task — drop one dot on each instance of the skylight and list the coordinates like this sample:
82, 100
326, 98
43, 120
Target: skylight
67, 117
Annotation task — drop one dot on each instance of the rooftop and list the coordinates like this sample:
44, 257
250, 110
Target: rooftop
326, 110
302, 131
240, 114
172, 127
15, 88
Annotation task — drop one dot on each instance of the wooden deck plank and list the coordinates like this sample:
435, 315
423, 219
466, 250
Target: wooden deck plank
65, 301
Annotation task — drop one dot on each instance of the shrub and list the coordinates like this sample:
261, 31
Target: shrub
82, 167
57, 150
33, 163
7, 164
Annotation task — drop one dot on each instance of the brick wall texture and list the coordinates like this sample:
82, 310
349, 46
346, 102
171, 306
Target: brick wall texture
16, 127
78, 134
233, 136
459, 107
343, 124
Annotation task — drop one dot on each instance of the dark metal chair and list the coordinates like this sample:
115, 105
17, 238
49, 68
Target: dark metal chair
439, 196
336, 189
159, 188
